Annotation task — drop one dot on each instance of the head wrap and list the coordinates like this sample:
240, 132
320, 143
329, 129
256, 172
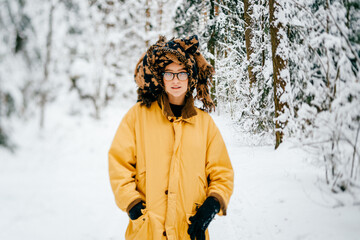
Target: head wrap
185, 51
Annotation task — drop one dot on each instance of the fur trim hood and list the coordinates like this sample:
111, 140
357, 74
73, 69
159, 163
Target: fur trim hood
185, 51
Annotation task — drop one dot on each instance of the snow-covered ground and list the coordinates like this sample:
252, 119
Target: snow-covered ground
56, 187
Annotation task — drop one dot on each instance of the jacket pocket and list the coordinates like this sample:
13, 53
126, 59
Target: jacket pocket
138, 228
185, 227
186, 235
188, 215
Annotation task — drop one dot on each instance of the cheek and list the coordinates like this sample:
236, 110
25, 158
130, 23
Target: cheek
166, 85
186, 85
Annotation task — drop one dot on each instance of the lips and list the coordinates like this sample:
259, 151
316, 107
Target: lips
175, 87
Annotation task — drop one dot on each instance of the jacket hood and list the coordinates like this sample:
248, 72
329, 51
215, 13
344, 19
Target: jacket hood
185, 51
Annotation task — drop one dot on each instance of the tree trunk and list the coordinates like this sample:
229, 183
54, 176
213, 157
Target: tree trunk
147, 23
212, 39
44, 92
347, 6
160, 14
263, 22
248, 9
279, 64
214, 11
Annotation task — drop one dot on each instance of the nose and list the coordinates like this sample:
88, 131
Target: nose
176, 77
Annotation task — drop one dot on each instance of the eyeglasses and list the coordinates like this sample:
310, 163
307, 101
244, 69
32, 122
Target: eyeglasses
169, 76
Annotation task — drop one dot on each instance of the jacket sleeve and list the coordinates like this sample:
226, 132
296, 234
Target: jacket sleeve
122, 163
218, 168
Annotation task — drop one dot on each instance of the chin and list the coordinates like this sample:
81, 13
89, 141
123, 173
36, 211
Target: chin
178, 95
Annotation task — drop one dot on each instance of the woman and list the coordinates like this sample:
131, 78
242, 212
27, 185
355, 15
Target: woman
168, 164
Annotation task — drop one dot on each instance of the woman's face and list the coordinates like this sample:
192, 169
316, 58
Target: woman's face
176, 89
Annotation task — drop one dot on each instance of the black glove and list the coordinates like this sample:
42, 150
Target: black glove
135, 211
201, 220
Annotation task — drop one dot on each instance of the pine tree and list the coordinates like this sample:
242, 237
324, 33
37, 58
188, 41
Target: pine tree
280, 71
16, 52
327, 98
188, 18
249, 37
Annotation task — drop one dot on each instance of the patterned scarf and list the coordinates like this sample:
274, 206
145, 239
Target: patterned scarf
185, 51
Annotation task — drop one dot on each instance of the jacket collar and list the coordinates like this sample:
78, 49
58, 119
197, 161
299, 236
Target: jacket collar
187, 112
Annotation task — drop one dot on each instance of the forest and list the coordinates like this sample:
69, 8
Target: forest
286, 70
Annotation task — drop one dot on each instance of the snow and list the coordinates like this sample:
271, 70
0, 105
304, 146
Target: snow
56, 186
81, 68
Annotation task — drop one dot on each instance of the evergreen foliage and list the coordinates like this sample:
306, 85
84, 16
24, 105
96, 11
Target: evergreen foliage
321, 45
223, 43
327, 92
96, 44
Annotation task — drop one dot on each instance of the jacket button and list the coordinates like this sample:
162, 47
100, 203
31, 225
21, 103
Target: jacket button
166, 192
164, 233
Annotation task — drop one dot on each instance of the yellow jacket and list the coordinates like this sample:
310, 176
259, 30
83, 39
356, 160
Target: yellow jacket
172, 164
